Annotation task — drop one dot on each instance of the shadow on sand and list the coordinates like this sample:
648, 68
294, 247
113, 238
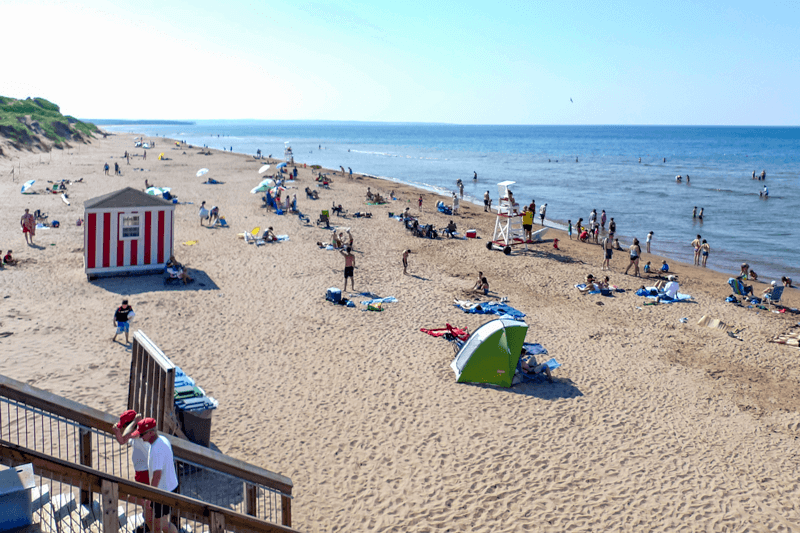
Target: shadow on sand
542, 389
128, 285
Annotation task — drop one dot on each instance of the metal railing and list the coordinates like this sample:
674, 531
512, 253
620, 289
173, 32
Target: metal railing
67, 431
119, 505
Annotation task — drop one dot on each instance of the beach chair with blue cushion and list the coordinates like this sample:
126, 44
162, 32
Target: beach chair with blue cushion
774, 297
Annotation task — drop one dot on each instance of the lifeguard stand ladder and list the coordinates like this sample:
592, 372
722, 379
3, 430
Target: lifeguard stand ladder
508, 225
288, 156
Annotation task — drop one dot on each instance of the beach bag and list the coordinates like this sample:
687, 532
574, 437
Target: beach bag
55, 223
334, 295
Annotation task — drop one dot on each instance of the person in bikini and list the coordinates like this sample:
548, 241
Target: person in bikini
696, 245
635, 251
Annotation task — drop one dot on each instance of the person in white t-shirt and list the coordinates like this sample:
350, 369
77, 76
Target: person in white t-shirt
161, 465
140, 451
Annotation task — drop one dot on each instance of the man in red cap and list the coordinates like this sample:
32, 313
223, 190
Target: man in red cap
123, 431
161, 465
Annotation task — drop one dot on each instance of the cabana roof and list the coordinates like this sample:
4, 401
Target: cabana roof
127, 197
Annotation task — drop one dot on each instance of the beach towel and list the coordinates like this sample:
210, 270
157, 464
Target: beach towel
388, 299
282, 238
604, 292
490, 308
679, 297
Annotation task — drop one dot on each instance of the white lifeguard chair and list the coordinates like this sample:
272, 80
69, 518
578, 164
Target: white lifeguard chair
508, 225
288, 156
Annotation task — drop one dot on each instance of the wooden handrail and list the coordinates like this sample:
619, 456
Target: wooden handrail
89, 479
181, 449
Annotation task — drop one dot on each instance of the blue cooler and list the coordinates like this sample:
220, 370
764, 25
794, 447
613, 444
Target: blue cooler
334, 295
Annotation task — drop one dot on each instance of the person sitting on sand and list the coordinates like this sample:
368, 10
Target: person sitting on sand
589, 285
484, 286
617, 245
744, 270
269, 235
177, 270
479, 282
9, 260
529, 366
752, 275
664, 266
647, 268
584, 236
605, 284
370, 196
787, 282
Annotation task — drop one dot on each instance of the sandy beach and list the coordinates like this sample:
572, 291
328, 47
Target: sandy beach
652, 424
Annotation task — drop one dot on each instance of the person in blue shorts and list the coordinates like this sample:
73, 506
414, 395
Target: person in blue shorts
122, 317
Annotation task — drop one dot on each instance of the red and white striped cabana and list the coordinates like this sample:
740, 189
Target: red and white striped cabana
127, 232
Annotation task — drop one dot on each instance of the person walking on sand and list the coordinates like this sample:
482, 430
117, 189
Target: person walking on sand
456, 204
696, 244
487, 201
649, 238
704, 249
420, 203
607, 251
349, 266
28, 223
161, 468
635, 252
405, 262
122, 317
203, 212
106, 167
527, 223
569, 229
542, 212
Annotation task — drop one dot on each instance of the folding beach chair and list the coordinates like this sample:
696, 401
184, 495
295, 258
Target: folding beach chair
324, 217
739, 288
251, 237
774, 297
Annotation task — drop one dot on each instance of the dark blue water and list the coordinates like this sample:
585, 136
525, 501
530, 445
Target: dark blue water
738, 224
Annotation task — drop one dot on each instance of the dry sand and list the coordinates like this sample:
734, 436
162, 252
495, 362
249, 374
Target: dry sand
652, 425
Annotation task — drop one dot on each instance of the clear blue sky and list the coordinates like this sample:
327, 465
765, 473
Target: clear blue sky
621, 62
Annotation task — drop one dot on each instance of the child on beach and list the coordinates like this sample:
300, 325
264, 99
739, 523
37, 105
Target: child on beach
405, 261
9, 260
569, 229
647, 268
664, 266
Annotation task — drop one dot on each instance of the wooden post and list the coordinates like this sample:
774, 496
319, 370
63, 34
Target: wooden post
110, 492
250, 499
286, 510
216, 523
86, 460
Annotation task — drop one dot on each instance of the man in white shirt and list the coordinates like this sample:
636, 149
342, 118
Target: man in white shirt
161, 466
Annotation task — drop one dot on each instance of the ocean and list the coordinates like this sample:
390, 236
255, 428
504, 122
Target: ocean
573, 169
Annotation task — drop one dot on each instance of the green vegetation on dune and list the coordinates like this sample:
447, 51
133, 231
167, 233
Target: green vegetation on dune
22, 120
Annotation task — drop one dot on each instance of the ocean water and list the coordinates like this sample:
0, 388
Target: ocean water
573, 169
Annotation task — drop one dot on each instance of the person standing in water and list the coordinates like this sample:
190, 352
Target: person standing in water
700, 216
474, 176
694, 212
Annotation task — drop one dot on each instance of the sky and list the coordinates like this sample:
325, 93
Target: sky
620, 62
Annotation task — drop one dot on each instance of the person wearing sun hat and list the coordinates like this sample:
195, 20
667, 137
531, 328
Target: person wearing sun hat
161, 466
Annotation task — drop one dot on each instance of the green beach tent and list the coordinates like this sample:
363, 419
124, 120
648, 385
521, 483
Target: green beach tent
491, 353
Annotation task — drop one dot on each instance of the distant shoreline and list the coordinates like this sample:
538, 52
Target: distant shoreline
121, 122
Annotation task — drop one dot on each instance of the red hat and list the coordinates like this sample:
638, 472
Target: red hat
144, 426
126, 418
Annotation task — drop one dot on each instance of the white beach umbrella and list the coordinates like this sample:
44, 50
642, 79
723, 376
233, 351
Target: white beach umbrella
263, 169
27, 185
202, 172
